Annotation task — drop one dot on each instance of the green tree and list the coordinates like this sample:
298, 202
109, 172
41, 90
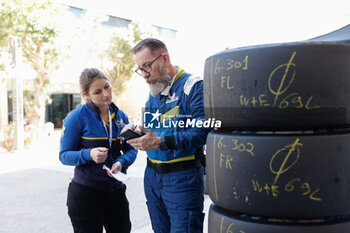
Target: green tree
35, 22
120, 57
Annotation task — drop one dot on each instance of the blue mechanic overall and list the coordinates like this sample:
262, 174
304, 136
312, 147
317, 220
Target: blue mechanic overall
173, 179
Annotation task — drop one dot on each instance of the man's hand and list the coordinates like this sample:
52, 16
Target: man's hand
99, 154
147, 142
128, 126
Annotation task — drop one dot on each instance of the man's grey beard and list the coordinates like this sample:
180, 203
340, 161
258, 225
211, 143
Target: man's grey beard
160, 85
162, 82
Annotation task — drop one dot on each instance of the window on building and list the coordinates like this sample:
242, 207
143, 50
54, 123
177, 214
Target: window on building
59, 107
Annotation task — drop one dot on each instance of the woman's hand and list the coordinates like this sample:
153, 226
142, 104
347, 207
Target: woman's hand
116, 167
99, 154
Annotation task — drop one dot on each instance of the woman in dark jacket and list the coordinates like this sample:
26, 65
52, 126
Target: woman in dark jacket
91, 139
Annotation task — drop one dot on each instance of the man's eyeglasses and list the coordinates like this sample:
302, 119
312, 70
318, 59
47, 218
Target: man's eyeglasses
147, 67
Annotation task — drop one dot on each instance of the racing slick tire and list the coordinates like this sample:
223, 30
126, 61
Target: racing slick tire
220, 220
287, 86
293, 175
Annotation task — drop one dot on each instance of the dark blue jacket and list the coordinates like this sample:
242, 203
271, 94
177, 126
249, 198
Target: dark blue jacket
182, 102
83, 130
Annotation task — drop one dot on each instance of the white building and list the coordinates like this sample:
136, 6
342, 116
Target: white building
84, 52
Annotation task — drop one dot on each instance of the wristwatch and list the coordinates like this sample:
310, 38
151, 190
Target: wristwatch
163, 145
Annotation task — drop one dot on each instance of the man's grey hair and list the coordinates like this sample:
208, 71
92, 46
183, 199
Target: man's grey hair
151, 43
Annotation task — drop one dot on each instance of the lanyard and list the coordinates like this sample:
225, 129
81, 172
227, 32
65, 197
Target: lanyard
110, 128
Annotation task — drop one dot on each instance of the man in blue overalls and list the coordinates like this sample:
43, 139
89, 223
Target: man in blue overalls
174, 140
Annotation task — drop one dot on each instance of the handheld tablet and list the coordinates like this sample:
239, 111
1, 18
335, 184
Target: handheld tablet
129, 134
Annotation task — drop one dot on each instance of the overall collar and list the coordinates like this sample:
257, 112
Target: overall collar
112, 108
166, 90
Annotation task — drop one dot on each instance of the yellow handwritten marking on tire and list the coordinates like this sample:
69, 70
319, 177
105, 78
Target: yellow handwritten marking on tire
229, 228
284, 103
231, 64
217, 68
315, 198
225, 79
293, 100
211, 87
308, 102
221, 225
248, 146
282, 169
289, 187
220, 144
273, 189
214, 170
279, 90
226, 159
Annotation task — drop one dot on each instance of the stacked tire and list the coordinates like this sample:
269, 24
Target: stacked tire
279, 162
